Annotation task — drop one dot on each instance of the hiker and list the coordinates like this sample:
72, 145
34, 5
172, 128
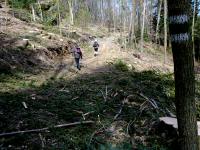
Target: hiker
96, 47
77, 55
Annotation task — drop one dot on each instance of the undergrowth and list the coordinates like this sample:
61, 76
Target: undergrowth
97, 97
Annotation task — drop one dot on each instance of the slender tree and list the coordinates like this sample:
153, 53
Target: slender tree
180, 18
165, 31
158, 20
142, 25
41, 14
59, 16
193, 25
33, 13
71, 12
132, 24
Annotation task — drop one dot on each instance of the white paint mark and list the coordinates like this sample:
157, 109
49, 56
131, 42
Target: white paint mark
181, 19
178, 38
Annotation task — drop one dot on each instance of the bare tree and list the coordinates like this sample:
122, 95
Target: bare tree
158, 20
142, 27
71, 12
165, 31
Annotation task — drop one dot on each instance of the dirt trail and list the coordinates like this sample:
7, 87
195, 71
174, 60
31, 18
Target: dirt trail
107, 52
110, 51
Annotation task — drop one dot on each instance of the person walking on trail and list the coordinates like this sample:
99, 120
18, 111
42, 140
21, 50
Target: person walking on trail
78, 55
96, 47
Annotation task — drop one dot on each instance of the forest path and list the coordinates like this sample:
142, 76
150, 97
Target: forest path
109, 52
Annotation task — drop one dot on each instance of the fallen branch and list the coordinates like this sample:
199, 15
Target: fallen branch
151, 101
47, 128
119, 112
24, 104
106, 93
104, 97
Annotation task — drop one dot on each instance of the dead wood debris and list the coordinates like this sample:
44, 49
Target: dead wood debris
47, 128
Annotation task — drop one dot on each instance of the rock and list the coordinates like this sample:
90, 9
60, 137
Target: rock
22, 44
83, 39
74, 35
173, 123
57, 49
49, 37
130, 67
5, 67
137, 56
166, 129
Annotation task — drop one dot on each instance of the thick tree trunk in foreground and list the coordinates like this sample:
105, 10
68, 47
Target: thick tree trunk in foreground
180, 23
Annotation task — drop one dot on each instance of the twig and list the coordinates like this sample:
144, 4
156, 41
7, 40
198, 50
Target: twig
170, 113
94, 133
24, 104
42, 140
106, 93
83, 115
75, 98
151, 101
88, 113
47, 128
119, 112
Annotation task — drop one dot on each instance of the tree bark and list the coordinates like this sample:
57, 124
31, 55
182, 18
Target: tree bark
158, 21
165, 31
142, 27
180, 23
132, 25
71, 12
33, 13
41, 14
59, 16
193, 26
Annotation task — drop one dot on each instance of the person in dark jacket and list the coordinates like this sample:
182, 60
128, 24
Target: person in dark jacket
78, 55
96, 47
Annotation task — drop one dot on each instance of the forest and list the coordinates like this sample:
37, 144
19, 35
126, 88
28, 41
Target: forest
100, 74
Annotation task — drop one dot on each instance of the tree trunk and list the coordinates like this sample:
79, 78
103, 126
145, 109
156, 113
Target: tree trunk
158, 21
165, 31
41, 14
109, 15
33, 13
180, 22
193, 25
71, 13
114, 19
139, 3
142, 28
132, 25
102, 12
59, 16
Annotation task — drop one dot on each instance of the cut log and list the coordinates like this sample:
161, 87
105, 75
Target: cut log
173, 122
21, 43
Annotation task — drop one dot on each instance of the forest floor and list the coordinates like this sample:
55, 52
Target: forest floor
123, 92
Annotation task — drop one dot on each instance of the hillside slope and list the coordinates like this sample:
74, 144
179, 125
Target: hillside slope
123, 91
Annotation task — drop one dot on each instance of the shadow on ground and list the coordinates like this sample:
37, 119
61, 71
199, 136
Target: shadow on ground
115, 100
